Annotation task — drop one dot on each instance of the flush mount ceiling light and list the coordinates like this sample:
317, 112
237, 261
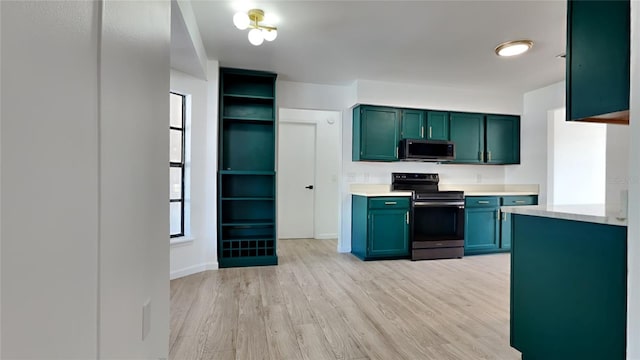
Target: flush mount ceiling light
512, 48
258, 32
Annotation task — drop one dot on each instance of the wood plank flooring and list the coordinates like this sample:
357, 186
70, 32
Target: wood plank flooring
319, 304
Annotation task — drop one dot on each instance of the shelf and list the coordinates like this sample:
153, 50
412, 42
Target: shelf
249, 119
249, 223
249, 96
248, 238
247, 199
225, 262
246, 172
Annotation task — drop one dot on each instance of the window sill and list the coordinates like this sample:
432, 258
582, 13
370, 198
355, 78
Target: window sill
180, 240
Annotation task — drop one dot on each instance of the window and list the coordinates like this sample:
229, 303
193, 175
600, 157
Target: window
176, 163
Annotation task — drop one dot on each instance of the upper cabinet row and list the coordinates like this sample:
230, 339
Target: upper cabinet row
598, 60
478, 138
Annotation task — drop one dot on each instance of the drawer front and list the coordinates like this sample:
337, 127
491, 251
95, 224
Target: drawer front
437, 244
519, 200
482, 201
389, 203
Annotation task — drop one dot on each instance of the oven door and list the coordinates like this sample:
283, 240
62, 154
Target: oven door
437, 220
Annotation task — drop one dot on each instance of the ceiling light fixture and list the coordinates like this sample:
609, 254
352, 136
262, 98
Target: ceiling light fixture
512, 48
258, 32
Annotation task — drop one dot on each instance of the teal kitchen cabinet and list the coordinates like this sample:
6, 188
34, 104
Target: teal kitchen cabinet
376, 133
482, 224
598, 60
485, 139
505, 226
568, 289
467, 133
503, 139
437, 125
380, 227
413, 124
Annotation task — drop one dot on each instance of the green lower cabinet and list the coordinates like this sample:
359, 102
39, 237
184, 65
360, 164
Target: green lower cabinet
568, 289
482, 230
380, 227
505, 231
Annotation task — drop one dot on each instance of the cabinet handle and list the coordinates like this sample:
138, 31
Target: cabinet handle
390, 202
489, 156
481, 155
498, 214
396, 152
520, 201
407, 218
482, 202
430, 132
422, 132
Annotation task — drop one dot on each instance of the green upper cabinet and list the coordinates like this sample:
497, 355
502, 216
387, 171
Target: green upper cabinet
375, 133
503, 139
467, 133
437, 125
598, 60
413, 124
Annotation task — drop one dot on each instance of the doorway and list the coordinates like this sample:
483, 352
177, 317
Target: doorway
308, 172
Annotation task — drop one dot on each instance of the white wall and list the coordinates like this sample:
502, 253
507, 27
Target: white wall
617, 165
533, 139
49, 179
577, 158
84, 179
193, 253
633, 250
133, 155
297, 95
326, 190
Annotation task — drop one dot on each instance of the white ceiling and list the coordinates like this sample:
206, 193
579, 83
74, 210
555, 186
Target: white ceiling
444, 43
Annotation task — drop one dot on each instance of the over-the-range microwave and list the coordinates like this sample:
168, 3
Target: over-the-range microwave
426, 150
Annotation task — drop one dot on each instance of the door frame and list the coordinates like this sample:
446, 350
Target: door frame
308, 116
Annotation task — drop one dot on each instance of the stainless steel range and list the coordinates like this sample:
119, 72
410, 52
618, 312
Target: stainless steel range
437, 217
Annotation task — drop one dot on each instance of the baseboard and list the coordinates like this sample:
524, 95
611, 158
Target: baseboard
193, 270
326, 236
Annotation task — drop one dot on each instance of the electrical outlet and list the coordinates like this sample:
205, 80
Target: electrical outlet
146, 318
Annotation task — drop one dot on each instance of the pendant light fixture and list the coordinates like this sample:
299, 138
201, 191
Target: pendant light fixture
258, 32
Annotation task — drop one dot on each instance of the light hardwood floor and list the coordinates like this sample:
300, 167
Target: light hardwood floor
319, 304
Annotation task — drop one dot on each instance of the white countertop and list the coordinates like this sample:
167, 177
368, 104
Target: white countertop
382, 193
500, 193
596, 213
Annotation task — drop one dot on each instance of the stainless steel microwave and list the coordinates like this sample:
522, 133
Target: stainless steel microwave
426, 150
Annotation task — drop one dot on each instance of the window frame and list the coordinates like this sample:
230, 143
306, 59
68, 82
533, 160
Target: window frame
180, 164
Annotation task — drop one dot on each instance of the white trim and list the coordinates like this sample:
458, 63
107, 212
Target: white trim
326, 236
180, 240
193, 270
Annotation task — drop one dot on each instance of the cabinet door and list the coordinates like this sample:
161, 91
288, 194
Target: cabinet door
379, 133
505, 231
388, 233
467, 133
598, 58
482, 230
437, 125
503, 139
413, 124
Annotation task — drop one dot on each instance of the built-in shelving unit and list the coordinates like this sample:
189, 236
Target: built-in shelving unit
246, 169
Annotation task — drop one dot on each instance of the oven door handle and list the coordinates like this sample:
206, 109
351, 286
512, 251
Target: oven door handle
458, 204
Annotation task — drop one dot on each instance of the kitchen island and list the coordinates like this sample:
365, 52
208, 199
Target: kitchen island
568, 282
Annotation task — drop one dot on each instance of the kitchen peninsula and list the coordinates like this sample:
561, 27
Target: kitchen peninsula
568, 282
